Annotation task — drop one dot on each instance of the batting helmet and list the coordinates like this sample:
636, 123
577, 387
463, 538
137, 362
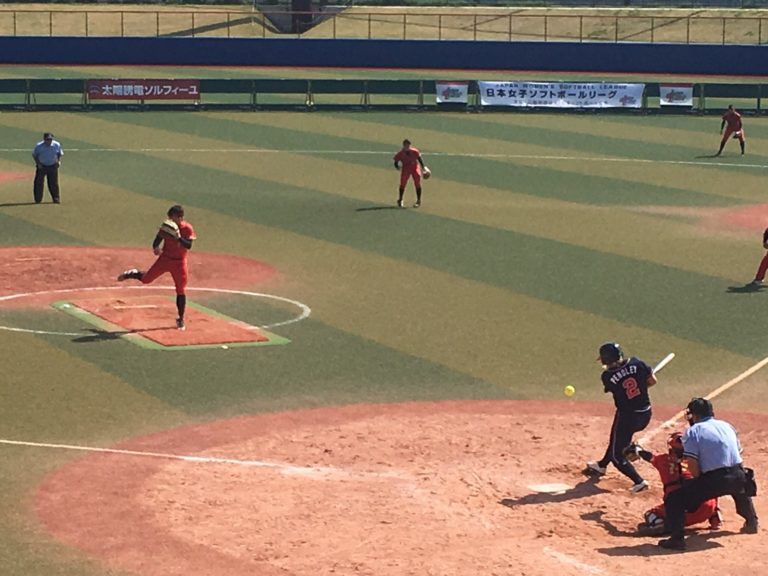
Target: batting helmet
675, 443
701, 407
610, 353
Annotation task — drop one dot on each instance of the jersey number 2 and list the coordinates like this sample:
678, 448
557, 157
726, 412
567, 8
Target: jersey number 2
631, 388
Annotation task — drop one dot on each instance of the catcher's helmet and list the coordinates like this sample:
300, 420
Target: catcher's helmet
610, 353
675, 443
700, 407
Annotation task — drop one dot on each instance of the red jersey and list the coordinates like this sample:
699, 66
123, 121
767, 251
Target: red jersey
733, 119
670, 471
172, 248
409, 159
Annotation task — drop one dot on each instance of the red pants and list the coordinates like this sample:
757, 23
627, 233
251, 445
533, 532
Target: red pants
414, 173
177, 269
702, 513
762, 268
728, 133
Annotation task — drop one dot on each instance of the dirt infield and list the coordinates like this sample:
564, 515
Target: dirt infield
425, 488
153, 318
83, 277
33, 269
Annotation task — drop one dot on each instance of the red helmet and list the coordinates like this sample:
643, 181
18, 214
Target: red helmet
675, 443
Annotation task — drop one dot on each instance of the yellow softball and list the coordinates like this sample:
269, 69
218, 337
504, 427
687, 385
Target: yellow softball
569, 390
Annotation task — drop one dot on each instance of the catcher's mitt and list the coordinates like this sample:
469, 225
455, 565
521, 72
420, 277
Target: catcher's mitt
632, 452
170, 228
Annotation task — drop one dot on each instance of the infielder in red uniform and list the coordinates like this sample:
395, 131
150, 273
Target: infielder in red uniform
763, 267
735, 129
408, 160
673, 470
172, 258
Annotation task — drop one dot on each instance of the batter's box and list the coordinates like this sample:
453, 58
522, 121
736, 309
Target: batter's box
150, 322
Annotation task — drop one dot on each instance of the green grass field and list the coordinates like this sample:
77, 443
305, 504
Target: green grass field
540, 237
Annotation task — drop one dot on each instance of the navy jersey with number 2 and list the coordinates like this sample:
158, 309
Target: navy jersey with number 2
629, 385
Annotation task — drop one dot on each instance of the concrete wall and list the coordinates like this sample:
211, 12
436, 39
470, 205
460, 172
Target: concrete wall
414, 54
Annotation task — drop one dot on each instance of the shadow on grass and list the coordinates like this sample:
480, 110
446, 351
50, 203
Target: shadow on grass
374, 208
746, 289
106, 336
11, 204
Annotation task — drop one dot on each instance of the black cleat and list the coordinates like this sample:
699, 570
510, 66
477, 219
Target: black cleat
673, 543
180, 324
131, 274
750, 527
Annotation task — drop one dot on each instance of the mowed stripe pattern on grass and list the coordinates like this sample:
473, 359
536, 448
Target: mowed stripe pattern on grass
302, 194
501, 286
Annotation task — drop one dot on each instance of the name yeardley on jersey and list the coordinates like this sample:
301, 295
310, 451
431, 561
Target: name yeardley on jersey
625, 371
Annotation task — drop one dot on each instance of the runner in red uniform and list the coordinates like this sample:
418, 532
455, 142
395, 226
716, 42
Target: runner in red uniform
172, 258
735, 129
673, 470
408, 160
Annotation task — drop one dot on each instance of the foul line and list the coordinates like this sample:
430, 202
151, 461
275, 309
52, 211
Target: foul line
565, 559
279, 466
438, 154
714, 394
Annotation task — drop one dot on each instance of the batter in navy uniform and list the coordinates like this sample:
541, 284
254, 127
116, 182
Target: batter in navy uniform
628, 381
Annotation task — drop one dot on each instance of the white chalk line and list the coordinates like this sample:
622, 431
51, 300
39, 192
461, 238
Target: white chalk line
714, 394
559, 158
290, 469
571, 561
306, 311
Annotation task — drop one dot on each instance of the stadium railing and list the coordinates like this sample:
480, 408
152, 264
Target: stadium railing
499, 25
298, 94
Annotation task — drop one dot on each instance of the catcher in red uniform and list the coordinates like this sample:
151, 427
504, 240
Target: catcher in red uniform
673, 471
176, 236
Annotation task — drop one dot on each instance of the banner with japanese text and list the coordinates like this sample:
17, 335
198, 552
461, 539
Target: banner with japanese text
152, 89
676, 95
561, 94
452, 92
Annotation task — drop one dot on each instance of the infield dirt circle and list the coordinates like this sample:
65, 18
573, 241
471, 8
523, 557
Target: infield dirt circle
444, 488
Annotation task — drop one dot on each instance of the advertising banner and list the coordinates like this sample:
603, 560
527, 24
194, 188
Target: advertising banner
561, 94
151, 89
452, 92
676, 95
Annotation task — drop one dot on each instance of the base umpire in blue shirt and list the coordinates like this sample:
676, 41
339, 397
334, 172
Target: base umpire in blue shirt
47, 155
713, 453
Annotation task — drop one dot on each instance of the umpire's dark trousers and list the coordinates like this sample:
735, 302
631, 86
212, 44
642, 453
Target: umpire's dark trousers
52, 173
731, 481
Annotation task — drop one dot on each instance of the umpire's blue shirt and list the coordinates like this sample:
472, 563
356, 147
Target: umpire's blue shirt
47, 155
713, 443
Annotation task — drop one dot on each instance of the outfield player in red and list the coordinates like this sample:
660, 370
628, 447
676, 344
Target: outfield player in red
408, 160
763, 267
673, 470
735, 129
172, 258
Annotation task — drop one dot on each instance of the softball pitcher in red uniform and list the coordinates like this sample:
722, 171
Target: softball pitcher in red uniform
171, 244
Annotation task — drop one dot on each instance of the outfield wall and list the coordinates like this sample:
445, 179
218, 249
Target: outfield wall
532, 56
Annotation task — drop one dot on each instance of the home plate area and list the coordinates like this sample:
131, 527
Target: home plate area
150, 321
474, 488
